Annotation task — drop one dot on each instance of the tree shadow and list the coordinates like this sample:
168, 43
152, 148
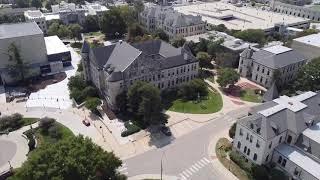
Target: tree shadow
158, 139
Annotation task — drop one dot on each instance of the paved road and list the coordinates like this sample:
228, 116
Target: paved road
186, 157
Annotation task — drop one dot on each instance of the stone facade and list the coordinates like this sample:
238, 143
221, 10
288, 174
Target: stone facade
284, 131
164, 66
69, 13
261, 66
172, 22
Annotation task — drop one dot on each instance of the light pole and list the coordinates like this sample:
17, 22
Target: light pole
161, 168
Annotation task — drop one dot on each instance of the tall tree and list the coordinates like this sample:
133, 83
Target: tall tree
91, 23
135, 30
75, 30
308, 78
252, 35
71, 158
36, 3
161, 35
204, 59
113, 24
178, 42
227, 76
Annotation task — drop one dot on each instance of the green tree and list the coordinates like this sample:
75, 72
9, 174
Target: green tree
308, 78
92, 103
214, 47
22, 3
307, 32
178, 42
113, 24
45, 123
122, 101
204, 59
36, 3
252, 35
128, 14
91, 24
138, 6
202, 46
77, 82
192, 89
135, 30
75, 30
161, 35
71, 158
18, 68
145, 103
227, 76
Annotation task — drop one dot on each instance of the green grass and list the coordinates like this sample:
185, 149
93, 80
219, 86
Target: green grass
65, 133
210, 104
250, 95
28, 121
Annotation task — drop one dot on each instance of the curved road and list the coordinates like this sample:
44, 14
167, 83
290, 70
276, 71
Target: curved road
186, 157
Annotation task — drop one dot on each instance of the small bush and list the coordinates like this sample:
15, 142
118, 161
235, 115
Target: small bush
238, 159
31, 143
131, 129
11, 123
54, 132
89, 91
92, 103
45, 123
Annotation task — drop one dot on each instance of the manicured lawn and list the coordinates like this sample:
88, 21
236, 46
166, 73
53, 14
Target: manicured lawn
250, 95
65, 133
28, 121
210, 104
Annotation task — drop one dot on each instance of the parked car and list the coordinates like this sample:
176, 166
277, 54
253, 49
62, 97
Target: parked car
86, 122
165, 130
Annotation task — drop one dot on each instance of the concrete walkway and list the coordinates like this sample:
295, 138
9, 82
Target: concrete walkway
20, 148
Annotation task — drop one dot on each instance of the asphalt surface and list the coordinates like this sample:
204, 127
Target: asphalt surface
8, 150
186, 157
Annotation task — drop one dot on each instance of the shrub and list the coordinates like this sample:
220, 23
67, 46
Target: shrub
89, 91
31, 144
238, 159
45, 123
92, 103
232, 130
80, 67
11, 123
77, 82
54, 132
77, 95
131, 129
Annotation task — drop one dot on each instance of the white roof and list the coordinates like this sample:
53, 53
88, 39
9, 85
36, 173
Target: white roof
277, 49
299, 158
313, 39
51, 16
54, 45
313, 132
33, 14
292, 103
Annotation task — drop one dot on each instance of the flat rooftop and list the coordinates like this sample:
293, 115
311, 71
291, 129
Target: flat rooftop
313, 39
33, 14
313, 132
19, 30
277, 49
54, 45
238, 18
299, 158
51, 16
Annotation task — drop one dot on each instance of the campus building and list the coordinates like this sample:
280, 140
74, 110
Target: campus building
263, 65
95, 9
243, 18
114, 68
297, 11
38, 17
285, 131
173, 23
309, 45
32, 47
69, 13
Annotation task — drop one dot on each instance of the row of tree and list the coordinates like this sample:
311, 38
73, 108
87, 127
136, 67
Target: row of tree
65, 31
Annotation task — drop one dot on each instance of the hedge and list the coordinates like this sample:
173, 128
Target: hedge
131, 129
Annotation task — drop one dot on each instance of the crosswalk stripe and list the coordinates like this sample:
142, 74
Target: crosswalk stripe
198, 166
183, 177
201, 164
186, 174
192, 170
206, 160
194, 167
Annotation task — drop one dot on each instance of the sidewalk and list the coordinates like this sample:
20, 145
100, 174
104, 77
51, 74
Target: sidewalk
153, 176
216, 163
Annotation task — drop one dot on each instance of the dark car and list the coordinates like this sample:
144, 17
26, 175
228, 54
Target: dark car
166, 131
86, 122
